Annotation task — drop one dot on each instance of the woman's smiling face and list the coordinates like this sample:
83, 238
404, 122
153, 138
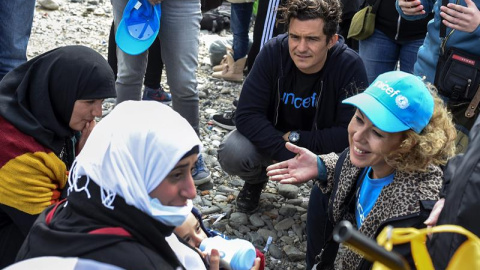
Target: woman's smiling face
369, 145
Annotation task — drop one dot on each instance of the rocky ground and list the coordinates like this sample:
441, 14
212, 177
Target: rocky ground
282, 213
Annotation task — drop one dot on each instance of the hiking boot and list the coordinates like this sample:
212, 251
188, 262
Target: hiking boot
249, 197
157, 95
225, 120
200, 172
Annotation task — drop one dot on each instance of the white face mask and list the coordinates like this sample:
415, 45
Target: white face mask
170, 215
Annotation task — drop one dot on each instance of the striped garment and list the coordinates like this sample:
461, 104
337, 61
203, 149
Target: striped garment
31, 176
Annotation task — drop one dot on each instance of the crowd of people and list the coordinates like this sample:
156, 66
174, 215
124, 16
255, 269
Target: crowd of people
365, 123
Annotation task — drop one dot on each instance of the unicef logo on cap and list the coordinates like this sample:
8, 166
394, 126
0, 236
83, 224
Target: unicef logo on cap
402, 102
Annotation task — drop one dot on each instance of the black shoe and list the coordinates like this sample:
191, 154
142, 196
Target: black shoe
249, 197
225, 120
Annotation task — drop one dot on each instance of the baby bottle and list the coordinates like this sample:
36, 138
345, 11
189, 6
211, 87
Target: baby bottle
235, 254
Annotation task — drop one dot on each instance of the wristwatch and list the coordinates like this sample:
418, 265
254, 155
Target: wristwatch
294, 137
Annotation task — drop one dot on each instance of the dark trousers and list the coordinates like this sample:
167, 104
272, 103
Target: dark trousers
319, 227
14, 227
258, 30
153, 75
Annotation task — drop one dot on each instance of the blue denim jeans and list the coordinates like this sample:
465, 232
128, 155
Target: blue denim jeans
381, 54
241, 15
16, 17
179, 35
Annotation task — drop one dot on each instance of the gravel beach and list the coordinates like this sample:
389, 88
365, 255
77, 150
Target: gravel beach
283, 208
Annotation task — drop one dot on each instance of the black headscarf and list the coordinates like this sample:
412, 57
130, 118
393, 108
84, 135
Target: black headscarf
38, 96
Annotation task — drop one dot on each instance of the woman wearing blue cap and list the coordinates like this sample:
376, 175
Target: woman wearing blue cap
401, 132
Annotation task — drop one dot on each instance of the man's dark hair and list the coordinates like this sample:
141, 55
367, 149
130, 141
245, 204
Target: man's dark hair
330, 11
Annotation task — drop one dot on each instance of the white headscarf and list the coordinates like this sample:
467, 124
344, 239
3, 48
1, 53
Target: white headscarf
132, 150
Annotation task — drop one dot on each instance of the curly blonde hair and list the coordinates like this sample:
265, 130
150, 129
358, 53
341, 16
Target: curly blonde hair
434, 145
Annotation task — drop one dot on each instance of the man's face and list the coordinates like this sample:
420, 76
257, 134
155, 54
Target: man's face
308, 45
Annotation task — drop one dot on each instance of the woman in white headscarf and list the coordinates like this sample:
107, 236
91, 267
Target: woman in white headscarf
129, 187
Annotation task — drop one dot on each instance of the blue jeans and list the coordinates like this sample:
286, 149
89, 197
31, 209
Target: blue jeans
16, 17
240, 25
380, 54
179, 35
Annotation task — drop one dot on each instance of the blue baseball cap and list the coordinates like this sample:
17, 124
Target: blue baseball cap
139, 26
396, 101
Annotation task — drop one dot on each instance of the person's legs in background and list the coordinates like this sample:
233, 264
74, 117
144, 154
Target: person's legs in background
179, 38
153, 76
241, 15
408, 54
265, 28
379, 54
131, 68
16, 18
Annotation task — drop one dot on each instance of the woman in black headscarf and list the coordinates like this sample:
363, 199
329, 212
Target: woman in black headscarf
44, 103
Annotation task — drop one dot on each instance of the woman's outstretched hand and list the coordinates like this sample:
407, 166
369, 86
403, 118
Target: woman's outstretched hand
297, 170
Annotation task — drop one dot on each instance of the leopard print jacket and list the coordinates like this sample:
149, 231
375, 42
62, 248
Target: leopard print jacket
398, 199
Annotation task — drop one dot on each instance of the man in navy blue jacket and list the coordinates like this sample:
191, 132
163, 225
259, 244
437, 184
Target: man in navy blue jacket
293, 93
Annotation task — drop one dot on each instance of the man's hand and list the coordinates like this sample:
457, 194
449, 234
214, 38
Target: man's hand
85, 133
411, 7
214, 260
285, 136
466, 19
297, 170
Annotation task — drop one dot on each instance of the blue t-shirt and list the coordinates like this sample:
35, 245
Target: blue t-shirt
368, 195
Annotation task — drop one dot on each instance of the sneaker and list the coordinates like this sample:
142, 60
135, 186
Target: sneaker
200, 172
249, 197
225, 120
157, 95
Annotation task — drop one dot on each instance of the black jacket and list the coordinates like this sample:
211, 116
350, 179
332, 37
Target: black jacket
462, 184
257, 113
69, 234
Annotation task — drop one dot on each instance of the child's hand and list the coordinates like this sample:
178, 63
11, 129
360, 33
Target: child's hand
256, 265
215, 260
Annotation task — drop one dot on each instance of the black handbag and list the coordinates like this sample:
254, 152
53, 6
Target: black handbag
457, 75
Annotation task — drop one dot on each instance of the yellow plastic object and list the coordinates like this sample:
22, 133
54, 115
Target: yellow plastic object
467, 256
